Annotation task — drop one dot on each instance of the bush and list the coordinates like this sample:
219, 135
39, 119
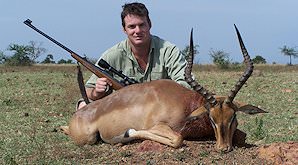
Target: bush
48, 59
62, 61
220, 58
23, 55
259, 60
2, 57
19, 60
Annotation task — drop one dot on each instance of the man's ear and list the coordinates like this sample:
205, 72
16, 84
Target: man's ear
123, 28
250, 109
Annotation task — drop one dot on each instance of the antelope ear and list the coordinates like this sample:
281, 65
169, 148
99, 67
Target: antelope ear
250, 109
197, 113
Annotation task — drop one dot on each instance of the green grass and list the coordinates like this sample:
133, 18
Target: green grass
276, 91
36, 100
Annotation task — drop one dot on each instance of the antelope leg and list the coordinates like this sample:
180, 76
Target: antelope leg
161, 133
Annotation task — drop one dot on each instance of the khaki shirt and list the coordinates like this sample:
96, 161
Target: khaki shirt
165, 62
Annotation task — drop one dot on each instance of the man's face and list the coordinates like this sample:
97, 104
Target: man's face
137, 29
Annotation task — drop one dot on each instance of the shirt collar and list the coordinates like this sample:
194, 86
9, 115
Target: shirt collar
129, 52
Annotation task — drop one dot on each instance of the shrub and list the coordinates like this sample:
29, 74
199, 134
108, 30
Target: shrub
220, 58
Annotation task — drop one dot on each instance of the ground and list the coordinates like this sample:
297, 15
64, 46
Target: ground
280, 153
37, 100
192, 152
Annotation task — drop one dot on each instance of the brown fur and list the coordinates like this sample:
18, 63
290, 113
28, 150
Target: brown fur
160, 110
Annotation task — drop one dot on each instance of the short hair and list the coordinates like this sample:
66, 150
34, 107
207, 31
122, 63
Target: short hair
134, 8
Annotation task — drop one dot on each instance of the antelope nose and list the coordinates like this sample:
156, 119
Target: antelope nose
225, 148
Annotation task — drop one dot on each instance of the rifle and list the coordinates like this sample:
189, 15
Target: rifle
99, 72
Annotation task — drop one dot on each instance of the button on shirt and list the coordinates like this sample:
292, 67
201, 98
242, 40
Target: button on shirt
165, 62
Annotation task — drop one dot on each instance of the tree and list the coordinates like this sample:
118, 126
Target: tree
20, 56
220, 58
35, 50
69, 61
2, 57
48, 59
24, 54
62, 61
259, 60
289, 51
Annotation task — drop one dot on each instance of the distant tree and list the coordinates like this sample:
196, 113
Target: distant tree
20, 56
69, 61
185, 51
259, 60
289, 51
48, 59
35, 50
2, 57
23, 54
62, 61
220, 58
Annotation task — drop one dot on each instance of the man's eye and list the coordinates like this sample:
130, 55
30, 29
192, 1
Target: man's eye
131, 26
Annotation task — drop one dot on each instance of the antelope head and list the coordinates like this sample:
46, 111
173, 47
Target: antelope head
222, 109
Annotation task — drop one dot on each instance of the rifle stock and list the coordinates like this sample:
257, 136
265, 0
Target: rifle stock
90, 66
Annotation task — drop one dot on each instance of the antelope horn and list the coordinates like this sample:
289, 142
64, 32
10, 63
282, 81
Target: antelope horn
188, 78
247, 73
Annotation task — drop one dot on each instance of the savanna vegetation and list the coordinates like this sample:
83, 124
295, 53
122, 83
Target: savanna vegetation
38, 97
26, 55
36, 100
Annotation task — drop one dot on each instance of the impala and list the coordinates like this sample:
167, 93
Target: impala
162, 111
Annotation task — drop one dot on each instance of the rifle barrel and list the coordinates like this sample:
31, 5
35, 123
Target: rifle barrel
28, 23
90, 66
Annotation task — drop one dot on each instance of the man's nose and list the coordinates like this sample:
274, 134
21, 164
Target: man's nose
138, 29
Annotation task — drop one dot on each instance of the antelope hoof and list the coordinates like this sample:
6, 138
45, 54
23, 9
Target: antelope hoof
224, 149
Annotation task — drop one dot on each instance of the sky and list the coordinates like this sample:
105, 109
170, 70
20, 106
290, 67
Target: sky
90, 27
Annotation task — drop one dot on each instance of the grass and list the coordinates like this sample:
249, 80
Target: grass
258, 132
36, 100
275, 90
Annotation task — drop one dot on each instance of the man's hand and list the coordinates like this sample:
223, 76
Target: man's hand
102, 86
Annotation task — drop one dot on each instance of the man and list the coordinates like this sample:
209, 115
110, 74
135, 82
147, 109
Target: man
141, 56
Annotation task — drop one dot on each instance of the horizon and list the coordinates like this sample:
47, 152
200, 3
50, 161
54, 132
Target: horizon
89, 28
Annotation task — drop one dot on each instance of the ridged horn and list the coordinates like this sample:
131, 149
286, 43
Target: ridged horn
247, 73
188, 78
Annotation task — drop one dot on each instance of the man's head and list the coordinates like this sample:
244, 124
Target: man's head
136, 24
137, 9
